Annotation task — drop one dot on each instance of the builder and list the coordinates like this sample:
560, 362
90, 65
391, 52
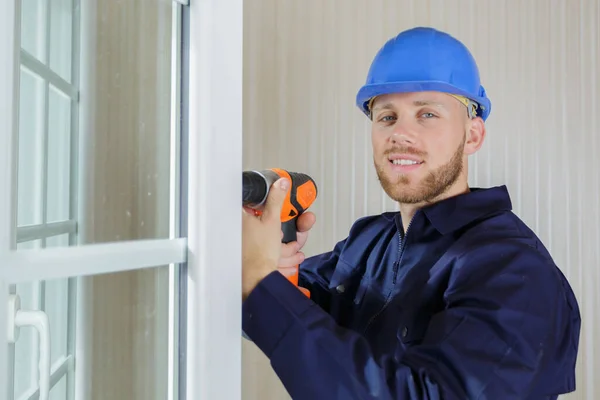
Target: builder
453, 297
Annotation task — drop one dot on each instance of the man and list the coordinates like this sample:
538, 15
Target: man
454, 297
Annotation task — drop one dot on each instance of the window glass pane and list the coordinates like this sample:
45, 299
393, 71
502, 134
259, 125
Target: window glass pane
59, 391
33, 27
124, 169
59, 156
31, 149
26, 347
57, 307
61, 31
128, 335
123, 124
53, 297
56, 296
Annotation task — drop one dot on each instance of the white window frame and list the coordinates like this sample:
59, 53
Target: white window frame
8, 98
212, 251
45, 230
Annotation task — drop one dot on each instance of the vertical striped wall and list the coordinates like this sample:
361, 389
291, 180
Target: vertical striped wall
305, 60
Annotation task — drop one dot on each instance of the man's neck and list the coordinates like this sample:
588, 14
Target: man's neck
408, 211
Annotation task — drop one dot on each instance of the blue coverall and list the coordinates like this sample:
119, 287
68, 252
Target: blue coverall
468, 304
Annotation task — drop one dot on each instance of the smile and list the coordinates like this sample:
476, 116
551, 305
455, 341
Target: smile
402, 161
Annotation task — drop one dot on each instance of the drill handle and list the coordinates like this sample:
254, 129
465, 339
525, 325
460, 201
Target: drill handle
289, 229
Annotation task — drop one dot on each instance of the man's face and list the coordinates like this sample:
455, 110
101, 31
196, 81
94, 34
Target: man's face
420, 144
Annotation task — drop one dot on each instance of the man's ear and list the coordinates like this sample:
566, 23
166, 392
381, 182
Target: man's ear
475, 135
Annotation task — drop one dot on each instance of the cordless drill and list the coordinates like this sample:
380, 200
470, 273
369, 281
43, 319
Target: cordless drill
300, 196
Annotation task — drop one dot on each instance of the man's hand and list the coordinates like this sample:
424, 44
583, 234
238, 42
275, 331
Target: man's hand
291, 255
290, 252
261, 239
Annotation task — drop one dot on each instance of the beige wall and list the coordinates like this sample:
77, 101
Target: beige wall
125, 120
305, 60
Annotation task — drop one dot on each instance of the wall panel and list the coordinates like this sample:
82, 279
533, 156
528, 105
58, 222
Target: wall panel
539, 62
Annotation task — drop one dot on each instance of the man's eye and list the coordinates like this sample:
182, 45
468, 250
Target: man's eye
428, 115
387, 118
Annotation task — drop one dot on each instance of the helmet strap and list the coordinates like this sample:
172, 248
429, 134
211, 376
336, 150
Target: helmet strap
470, 104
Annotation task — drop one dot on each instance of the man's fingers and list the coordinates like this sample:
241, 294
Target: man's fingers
247, 213
288, 249
275, 199
291, 261
301, 238
306, 221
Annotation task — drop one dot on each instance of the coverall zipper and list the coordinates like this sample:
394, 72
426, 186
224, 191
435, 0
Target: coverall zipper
396, 267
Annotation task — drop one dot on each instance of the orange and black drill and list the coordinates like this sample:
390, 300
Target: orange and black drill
300, 196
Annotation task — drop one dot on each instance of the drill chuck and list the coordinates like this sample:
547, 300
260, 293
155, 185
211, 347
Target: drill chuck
256, 186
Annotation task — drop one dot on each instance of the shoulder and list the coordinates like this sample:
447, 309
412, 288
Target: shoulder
376, 221
372, 227
502, 263
501, 233
366, 234
503, 246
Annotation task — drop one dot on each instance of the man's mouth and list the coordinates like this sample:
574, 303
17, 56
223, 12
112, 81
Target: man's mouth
403, 161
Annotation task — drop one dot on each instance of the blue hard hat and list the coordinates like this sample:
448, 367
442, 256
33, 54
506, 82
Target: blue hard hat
424, 59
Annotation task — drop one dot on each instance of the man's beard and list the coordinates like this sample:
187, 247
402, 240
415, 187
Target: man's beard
431, 187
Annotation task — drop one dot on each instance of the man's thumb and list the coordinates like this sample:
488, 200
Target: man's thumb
275, 199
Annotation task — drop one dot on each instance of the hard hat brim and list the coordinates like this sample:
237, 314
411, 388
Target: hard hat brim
367, 92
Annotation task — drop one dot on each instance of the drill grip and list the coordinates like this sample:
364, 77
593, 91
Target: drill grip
289, 229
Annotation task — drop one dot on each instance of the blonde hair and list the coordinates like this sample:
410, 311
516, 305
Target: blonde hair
470, 104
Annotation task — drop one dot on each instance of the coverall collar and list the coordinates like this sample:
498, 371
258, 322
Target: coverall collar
453, 213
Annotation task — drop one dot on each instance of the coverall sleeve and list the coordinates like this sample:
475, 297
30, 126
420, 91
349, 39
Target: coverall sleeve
315, 274
491, 340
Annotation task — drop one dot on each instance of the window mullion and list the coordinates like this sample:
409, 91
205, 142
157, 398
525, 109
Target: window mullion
74, 137
57, 373
46, 123
55, 263
36, 232
44, 163
73, 299
42, 70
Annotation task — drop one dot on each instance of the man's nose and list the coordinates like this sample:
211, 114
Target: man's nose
401, 134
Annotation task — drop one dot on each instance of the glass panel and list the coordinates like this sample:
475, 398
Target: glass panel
121, 125
56, 305
33, 27
31, 149
125, 111
58, 241
26, 347
59, 391
124, 342
59, 156
128, 335
61, 32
